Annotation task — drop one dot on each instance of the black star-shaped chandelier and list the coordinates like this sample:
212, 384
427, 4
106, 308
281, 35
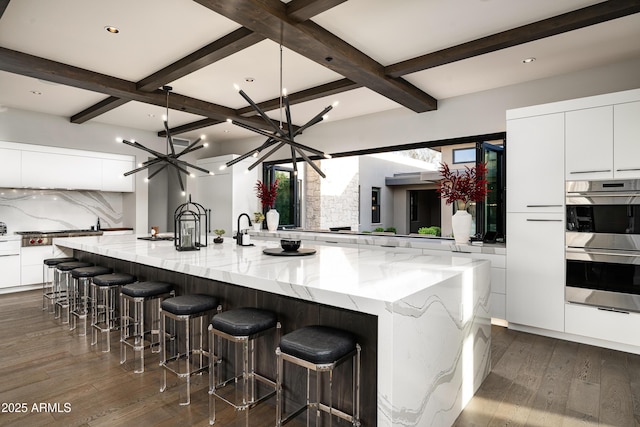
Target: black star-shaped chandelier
171, 158
280, 135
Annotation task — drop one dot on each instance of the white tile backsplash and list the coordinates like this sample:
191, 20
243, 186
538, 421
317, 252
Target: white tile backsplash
29, 209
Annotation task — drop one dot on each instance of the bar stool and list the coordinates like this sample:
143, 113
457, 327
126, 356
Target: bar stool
63, 272
185, 310
49, 267
321, 349
79, 296
105, 290
132, 325
244, 326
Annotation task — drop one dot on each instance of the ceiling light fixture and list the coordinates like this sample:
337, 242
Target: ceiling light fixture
528, 60
111, 29
280, 135
170, 159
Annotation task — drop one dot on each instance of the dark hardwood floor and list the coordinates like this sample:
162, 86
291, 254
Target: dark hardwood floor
535, 381
540, 381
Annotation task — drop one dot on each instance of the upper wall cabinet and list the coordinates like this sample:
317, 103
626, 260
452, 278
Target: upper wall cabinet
37, 166
603, 142
535, 172
49, 170
626, 141
11, 170
589, 143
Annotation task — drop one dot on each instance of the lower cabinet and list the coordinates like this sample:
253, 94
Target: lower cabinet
592, 322
535, 270
10, 267
31, 263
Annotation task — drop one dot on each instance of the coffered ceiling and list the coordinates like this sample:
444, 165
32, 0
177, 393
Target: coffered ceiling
56, 57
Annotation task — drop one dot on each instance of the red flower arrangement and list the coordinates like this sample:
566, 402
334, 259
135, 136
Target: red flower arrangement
267, 194
463, 186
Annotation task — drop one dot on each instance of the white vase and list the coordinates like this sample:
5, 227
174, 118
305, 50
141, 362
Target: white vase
273, 219
461, 225
257, 226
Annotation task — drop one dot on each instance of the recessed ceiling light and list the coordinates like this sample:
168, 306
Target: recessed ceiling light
528, 60
36, 92
111, 29
227, 131
249, 79
151, 115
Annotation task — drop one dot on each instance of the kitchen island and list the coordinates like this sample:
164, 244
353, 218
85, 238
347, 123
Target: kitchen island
423, 320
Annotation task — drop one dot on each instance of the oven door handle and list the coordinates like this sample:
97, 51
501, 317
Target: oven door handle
586, 251
600, 194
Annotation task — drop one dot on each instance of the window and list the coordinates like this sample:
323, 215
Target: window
375, 205
464, 155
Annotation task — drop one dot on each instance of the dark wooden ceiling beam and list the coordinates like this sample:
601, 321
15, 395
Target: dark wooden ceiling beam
269, 18
311, 94
219, 49
302, 10
98, 109
40, 68
233, 42
3, 6
570, 21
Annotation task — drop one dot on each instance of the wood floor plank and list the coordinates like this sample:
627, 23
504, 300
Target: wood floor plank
534, 381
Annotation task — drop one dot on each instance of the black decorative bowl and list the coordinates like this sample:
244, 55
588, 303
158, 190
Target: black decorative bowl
290, 245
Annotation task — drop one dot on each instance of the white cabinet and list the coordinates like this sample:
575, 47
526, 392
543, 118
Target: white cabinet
602, 324
626, 143
535, 170
51, 170
9, 263
40, 166
113, 178
589, 143
535, 270
603, 142
31, 263
228, 193
11, 170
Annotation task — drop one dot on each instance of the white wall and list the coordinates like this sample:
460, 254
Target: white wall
44, 129
474, 114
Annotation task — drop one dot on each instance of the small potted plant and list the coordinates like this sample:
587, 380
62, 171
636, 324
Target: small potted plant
218, 238
258, 217
462, 187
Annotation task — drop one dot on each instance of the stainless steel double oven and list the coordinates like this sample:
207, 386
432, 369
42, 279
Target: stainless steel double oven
603, 244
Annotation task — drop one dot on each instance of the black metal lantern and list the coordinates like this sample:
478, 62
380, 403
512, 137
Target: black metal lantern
191, 222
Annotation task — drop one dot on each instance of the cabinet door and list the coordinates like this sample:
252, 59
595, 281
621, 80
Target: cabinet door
10, 267
535, 270
11, 170
535, 164
50, 170
626, 140
589, 143
113, 178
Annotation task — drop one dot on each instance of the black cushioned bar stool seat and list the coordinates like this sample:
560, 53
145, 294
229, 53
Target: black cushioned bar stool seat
318, 344
188, 315
49, 283
79, 295
56, 261
146, 289
134, 298
105, 291
189, 304
321, 349
240, 326
63, 301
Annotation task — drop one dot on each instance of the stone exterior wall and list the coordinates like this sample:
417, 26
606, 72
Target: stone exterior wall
329, 201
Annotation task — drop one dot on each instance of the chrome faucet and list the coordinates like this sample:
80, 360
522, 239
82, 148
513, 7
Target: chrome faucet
238, 236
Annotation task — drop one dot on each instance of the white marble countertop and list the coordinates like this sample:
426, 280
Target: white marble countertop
384, 240
374, 273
